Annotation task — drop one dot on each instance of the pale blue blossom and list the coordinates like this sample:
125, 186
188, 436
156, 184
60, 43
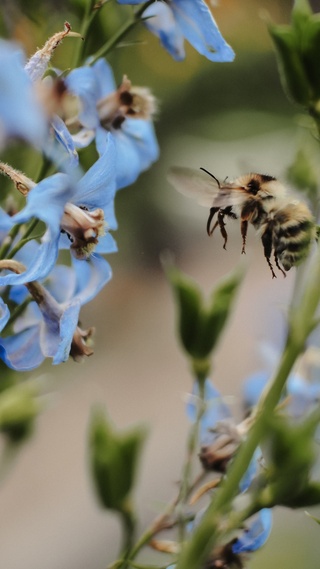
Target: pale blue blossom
176, 20
62, 202
50, 328
134, 138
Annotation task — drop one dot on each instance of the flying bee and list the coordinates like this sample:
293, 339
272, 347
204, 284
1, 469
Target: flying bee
286, 226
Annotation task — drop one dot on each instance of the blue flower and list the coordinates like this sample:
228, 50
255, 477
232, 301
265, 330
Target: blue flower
124, 112
21, 116
49, 326
255, 534
35, 68
81, 208
219, 435
174, 20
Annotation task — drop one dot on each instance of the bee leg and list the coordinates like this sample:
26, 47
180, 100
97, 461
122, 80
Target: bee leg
267, 248
244, 229
222, 224
277, 264
213, 211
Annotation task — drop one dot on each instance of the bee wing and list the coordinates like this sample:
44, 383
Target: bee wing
203, 188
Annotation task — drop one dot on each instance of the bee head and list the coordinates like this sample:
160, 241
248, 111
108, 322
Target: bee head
257, 182
262, 186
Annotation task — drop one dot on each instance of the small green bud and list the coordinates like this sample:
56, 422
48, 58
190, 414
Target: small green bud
290, 456
301, 13
189, 304
18, 410
201, 323
113, 460
215, 315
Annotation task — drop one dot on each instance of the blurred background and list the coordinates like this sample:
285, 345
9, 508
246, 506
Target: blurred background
230, 119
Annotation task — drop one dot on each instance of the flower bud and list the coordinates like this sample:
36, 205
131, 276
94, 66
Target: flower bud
113, 460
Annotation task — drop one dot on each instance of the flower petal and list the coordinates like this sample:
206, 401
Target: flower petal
84, 83
162, 23
256, 533
45, 201
200, 29
98, 185
20, 113
22, 351
4, 314
92, 276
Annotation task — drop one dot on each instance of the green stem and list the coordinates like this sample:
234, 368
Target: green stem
301, 324
88, 18
121, 33
8, 241
128, 527
24, 238
186, 473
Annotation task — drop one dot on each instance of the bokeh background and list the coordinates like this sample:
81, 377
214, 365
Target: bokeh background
230, 119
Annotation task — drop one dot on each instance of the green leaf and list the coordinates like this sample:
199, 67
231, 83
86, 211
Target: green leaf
189, 303
201, 323
301, 13
214, 317
113, 460
310, 49
292, 72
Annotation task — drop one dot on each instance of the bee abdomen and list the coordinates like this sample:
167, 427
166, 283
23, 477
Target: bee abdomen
292, 241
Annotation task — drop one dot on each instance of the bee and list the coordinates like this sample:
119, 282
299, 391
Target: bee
286, 227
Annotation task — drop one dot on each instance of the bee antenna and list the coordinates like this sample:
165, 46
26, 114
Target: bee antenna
212, 176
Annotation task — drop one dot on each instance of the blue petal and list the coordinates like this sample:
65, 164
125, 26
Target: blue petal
127, 160
92, 276
65, 139
61, 283
142, 134
256, 534
200, 29
68, 323
4, 314
84, 82
22, 351
136, 149
97, 187
161, 23
45, 201
105, 78
20, 113
106, 245
251, 472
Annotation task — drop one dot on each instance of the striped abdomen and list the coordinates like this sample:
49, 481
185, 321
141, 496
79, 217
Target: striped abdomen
293, 232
